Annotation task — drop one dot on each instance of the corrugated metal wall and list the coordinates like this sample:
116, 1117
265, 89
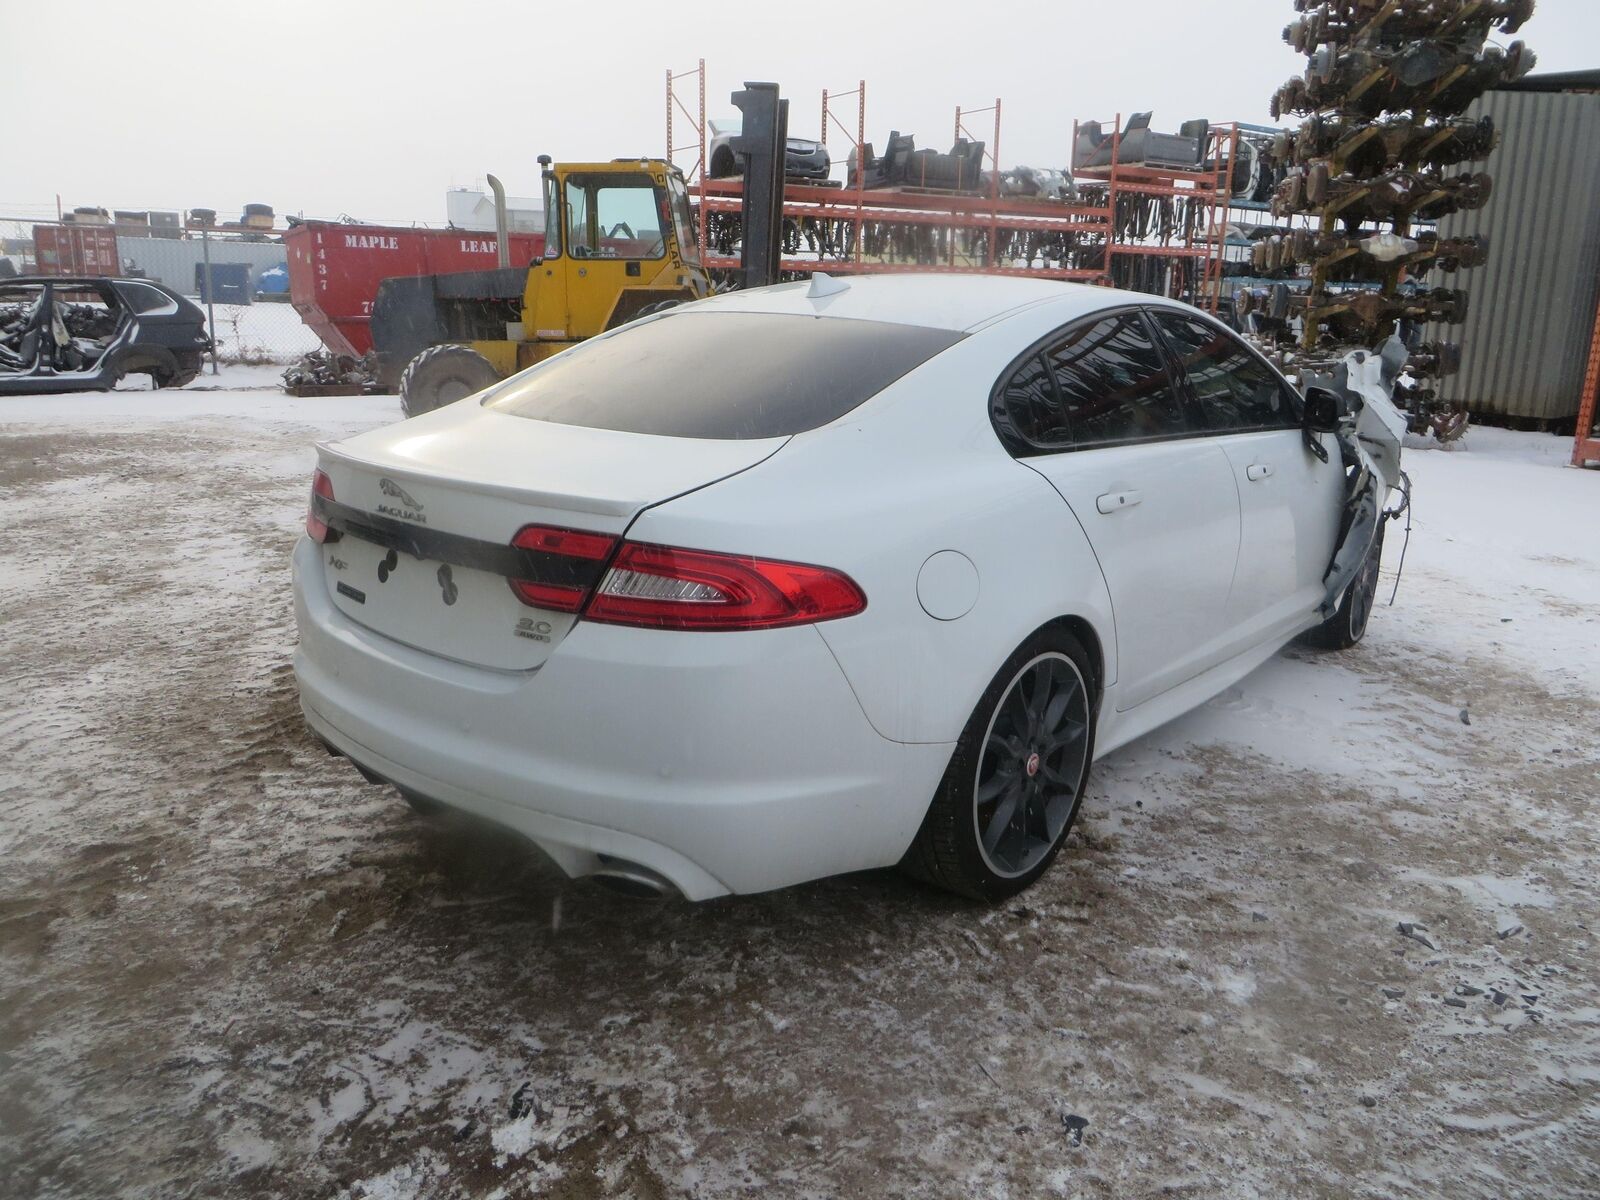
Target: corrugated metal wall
1532, 304
173, 261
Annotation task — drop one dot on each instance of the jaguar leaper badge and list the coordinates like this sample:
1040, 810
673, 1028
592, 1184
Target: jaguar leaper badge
406, 506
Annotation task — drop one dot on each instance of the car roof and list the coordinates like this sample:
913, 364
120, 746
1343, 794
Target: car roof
78, 279
959, 302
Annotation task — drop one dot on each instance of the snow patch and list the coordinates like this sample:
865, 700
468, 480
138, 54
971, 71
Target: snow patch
539, 1128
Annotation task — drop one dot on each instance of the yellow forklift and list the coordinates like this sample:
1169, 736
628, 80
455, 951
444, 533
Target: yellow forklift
619, 244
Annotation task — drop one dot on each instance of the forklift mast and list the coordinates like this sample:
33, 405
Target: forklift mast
760, 145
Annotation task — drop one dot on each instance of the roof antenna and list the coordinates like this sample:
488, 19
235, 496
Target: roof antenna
823, 284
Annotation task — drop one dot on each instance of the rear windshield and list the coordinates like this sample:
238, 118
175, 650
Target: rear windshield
723, 375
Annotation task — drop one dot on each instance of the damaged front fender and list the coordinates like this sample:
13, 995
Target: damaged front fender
1370, 435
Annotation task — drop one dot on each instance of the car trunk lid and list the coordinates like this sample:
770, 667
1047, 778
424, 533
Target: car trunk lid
427, 511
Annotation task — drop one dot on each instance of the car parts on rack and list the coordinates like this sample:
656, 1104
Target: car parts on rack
1382, 94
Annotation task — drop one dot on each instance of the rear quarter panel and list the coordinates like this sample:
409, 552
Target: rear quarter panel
915, 471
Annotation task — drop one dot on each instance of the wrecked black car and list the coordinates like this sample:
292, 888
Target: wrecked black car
78, 334
804, 161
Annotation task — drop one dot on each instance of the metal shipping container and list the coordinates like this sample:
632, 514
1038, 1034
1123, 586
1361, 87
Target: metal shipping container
1526, 339
75, 250
172, 261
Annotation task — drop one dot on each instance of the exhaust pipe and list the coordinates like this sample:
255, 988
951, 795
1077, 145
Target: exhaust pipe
503, 243
631, 879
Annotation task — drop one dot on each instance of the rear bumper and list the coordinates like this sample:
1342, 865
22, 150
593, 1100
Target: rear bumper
723, 762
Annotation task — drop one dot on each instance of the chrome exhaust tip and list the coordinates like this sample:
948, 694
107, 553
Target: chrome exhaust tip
631, 879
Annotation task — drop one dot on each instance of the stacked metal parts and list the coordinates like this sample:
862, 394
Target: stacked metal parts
1382, 153
324, 373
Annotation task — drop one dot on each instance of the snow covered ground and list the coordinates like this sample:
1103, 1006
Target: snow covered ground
269, 331
229, 966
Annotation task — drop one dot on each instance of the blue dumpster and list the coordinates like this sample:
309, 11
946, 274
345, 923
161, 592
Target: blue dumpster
231, 282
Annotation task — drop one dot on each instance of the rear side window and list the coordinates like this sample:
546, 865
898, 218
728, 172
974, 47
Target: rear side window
148, 301
1102, 383
1234, 389
721, 375
1026, 411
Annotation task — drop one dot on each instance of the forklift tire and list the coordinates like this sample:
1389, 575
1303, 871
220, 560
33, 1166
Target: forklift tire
442, 375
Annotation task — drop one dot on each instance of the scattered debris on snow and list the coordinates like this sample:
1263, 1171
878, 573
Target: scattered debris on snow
1417, 933
1075, 1127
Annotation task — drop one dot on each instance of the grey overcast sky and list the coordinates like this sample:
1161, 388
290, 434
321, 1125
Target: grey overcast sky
374, 107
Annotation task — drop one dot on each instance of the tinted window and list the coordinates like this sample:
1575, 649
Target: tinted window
1233, 387
1026, 412
144, 299
1113, 383
723, 375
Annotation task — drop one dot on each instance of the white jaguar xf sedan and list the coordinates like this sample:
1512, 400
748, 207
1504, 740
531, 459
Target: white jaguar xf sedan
820, 577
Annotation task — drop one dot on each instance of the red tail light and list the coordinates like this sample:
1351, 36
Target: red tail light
660, 587
576, 560
316, 527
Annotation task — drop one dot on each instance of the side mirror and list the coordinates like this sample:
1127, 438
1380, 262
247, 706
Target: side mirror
1323, 410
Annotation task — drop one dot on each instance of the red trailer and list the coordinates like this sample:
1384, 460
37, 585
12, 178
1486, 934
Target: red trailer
335, 269
75, 250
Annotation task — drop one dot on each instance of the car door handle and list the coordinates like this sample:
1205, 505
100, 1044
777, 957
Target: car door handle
1256, 472
1113, 501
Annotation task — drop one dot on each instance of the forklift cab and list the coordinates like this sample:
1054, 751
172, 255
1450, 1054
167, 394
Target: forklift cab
619, 240
619, 243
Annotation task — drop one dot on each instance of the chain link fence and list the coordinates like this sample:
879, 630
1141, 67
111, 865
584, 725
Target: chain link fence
248, 309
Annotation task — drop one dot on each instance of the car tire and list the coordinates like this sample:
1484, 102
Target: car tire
1020, 754
1348, 625
724, 165
442, 375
